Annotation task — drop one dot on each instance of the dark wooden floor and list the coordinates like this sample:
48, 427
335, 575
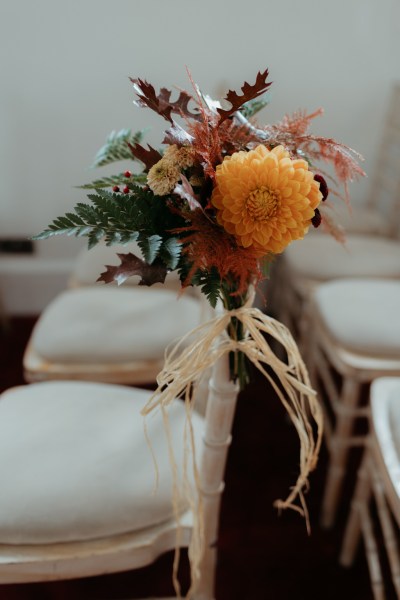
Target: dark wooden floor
262, 555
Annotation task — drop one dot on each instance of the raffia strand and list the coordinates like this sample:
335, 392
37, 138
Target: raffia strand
198, 351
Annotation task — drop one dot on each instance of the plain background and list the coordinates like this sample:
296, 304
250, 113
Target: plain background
65, 87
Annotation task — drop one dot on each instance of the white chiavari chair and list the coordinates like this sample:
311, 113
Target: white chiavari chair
378, 486
77, 479
354, 338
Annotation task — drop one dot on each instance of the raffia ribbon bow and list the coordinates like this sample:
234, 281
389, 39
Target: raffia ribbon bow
199, 350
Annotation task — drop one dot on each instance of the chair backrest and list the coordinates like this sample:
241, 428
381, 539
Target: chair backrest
384, 194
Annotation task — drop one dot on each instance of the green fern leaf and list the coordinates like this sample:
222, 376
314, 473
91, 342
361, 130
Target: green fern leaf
116, 147
113, 180
95, 236
249, 109
118, 237
170, 252
211, 286
150, 247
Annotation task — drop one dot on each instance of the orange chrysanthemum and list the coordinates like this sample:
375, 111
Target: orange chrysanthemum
264, 198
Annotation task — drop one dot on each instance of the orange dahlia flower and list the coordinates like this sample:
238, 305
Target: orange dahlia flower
264, 198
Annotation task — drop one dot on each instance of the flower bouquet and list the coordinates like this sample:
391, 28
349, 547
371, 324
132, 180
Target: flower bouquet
222, 198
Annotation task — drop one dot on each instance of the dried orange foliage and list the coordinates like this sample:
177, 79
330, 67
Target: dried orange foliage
208, 246
292, 133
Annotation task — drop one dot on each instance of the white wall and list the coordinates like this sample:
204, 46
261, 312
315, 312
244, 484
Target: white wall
65, 67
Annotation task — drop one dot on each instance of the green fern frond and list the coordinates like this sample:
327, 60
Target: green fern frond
254, 106
211, 285
122, 218
116, 147
170, 252
150, 247
119, 179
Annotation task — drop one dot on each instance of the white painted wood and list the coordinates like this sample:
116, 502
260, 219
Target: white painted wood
378, 480
354, 369
49, 562
36, 368
219, 418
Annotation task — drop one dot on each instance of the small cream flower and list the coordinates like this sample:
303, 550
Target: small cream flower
162, 177
181, 158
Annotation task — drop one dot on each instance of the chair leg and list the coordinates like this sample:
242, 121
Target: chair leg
339, 450
352, 533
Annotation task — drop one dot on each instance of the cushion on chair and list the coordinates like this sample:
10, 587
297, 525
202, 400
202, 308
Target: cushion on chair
323, 258
75, 464
362, 314
91, 325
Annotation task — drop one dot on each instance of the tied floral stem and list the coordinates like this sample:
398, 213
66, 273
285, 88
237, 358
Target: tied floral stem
238, 366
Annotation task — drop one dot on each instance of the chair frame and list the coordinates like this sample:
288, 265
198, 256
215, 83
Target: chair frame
355, 369
36, 368
378, 483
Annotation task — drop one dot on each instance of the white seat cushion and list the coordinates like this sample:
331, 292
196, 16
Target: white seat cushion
91, 325
362, 314
75, 464
322, 258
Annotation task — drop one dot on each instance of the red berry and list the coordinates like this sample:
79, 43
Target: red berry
115, 188
128, 174
126, 190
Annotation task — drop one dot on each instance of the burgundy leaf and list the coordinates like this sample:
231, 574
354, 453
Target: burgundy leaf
162, 104
186, 192
147, 157
132, 265
249, 93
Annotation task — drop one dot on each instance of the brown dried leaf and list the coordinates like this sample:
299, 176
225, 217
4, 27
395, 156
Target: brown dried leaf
147, 157
185, 191
162, 104
132, 265
249, 93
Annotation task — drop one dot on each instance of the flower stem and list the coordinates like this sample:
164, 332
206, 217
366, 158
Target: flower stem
237, 360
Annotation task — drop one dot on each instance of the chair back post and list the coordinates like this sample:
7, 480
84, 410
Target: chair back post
385, 178
217, 437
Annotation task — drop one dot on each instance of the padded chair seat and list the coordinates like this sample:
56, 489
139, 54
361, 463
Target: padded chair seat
91, 325
75, 464
362, 314
321, 257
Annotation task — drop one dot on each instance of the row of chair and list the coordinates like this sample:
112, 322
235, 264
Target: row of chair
77, 473
343, 301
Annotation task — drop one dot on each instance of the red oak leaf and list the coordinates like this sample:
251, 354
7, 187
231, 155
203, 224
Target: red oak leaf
162, 104
132, 265
147, 157
249, 93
